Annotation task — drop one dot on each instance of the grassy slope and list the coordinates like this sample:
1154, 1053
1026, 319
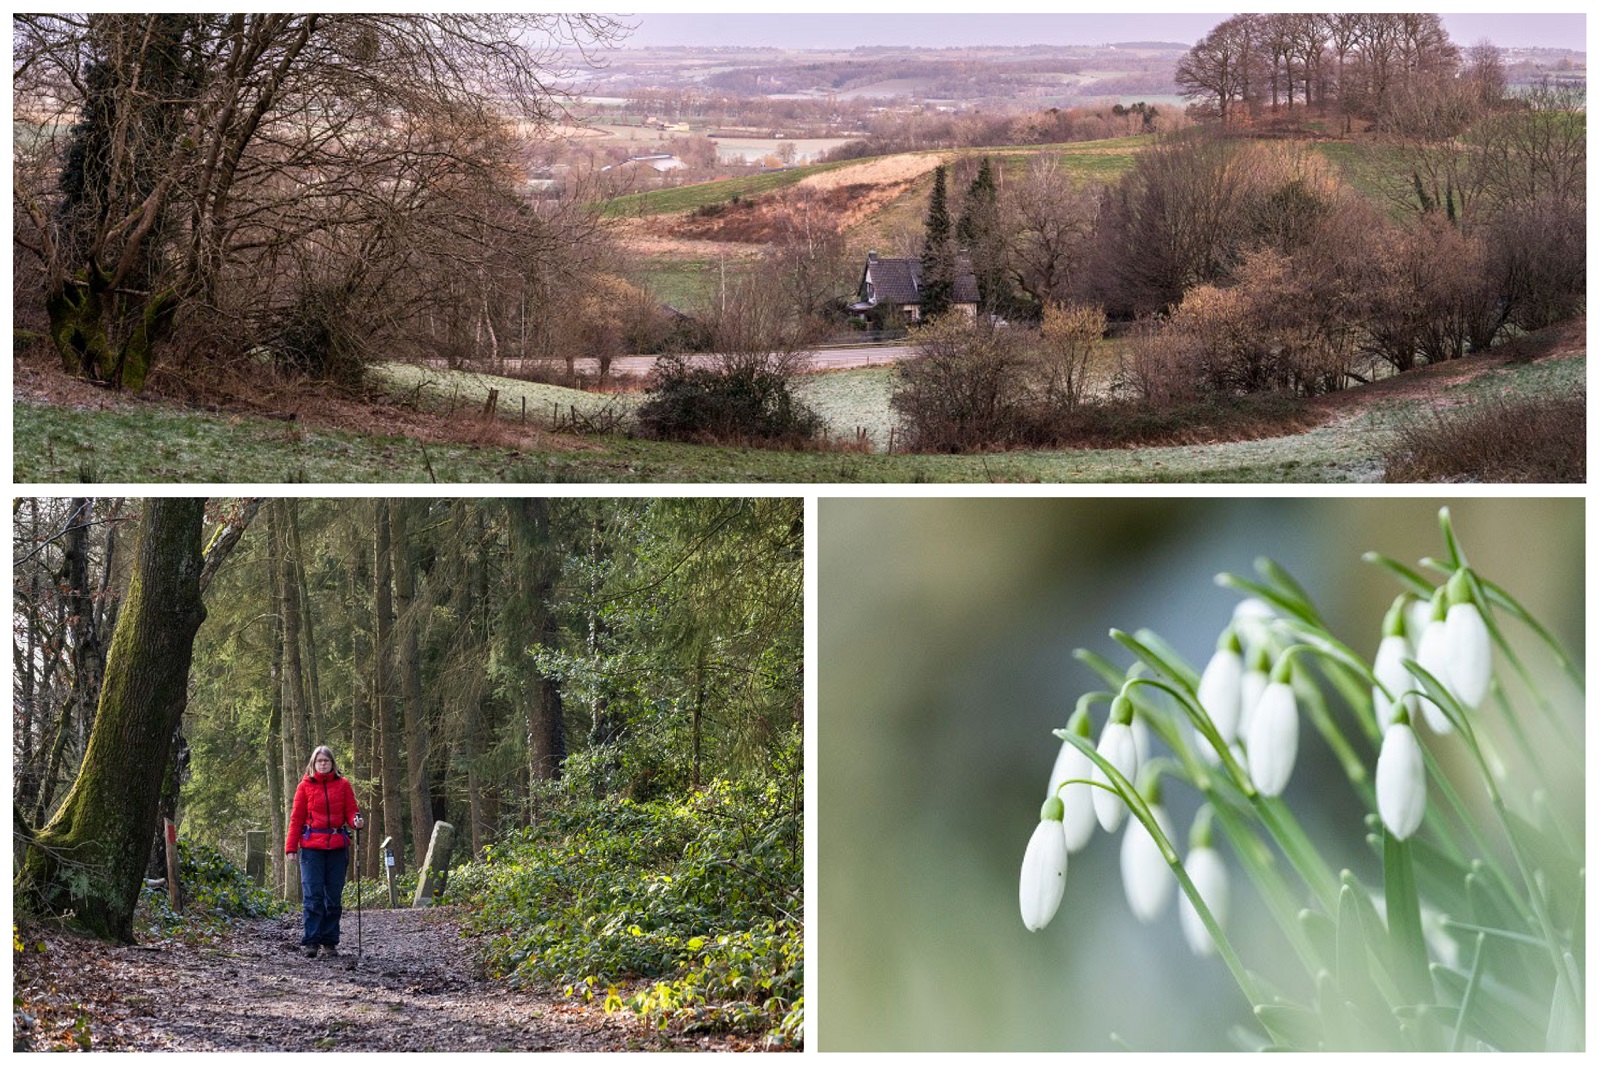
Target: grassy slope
153, 443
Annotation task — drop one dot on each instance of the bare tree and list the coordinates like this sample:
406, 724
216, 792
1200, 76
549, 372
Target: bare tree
1052, 226
207, 149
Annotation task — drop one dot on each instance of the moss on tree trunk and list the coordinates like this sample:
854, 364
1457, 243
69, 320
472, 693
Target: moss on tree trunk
88, 861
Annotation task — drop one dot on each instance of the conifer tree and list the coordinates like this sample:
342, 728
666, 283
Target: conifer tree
938, 253
980, 238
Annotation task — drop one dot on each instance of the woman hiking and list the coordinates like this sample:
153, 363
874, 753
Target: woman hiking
324, 806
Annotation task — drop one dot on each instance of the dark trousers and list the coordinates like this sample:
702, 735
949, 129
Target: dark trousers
322, 888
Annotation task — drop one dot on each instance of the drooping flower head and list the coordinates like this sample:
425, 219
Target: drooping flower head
1118, 748
1433, 655
1395, 682
1044, 868
1210, 878
1467, 647
1251, 686
1220, 691
1072, 765
1274, 738
1146, 878
1402, 782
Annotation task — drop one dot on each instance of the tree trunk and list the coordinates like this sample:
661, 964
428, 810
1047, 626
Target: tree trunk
89, 858
283, 739
537, 561
361, 755
308, 643
383, 701
410, 671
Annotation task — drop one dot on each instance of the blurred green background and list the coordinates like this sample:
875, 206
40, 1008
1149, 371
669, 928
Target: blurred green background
946, 630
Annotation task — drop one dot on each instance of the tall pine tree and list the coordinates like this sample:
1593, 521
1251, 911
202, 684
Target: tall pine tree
938, 254
980, 238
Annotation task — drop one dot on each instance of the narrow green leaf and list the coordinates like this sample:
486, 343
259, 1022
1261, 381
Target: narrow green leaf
1271, 595
1284, 582
1505, 1019
1451, 545
1565, 1031
1473, 977
1405, 920
1169, 670
1109, 672
1411, 579
1291, 1025
1322, 935
1187, 676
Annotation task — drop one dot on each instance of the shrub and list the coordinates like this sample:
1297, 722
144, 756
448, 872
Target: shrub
1495, 440
699, 895
736, 399
215, 890
965, 388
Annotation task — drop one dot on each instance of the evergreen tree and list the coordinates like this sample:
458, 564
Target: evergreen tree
980, 238
938, 254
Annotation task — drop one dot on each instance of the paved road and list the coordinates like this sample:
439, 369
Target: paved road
822, 359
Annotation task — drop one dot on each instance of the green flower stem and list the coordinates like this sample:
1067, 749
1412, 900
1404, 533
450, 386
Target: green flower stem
1298, 609
1257, 859
1409, 578
1299, 850
1130, 795
1441, 781
1535, 896
1355, 768
1202, 724
1498, 596
1466, 998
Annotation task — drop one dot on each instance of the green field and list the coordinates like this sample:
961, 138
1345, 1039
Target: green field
157, 443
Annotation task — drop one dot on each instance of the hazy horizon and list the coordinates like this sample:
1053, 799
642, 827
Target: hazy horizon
829, 30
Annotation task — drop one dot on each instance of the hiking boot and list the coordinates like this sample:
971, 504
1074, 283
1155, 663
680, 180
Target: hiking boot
311, 951
329, 951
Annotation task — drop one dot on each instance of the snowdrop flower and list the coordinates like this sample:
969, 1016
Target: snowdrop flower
1146, 878
1467, 644
1118, 748
1402, 780
1433, 655
1220, 690
1044, 868
1077, 820
1253, 620
1274, 736
1395, 682
1251, 686
1205, 868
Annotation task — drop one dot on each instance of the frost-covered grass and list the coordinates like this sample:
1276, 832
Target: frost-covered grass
151, 443
446, 390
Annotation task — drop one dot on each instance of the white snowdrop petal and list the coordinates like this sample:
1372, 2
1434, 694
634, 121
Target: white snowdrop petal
1146, 878
1274, 739
1251, 687
1044, 875
1116, 747
1467, 641
1078, 819
1220, 692
1402, 781
1210, 876
1433, 655
1389, 666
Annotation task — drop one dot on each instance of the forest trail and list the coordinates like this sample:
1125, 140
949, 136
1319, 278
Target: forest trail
417, 987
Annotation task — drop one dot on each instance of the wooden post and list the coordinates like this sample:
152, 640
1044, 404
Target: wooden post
255, 855
388, 871
524, 410
490, 403
430, 882
174, 890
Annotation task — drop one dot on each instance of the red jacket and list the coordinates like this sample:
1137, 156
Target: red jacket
322, 805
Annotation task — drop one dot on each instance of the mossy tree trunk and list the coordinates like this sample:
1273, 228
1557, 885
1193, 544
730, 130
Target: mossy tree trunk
89, 859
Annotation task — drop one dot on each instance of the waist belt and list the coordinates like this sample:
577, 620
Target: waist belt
308, 830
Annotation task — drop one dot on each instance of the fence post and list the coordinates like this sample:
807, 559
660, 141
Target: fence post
388, 871
255, 855
174, 890
430, 881
490, 403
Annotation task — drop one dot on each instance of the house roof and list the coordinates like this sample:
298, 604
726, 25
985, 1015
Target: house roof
899, 281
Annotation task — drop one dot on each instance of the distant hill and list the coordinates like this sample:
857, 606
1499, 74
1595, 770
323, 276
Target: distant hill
1172, 46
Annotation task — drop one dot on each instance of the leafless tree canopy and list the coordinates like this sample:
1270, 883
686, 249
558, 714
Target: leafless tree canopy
294, 179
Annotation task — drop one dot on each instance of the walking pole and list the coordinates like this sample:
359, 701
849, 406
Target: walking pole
356, 858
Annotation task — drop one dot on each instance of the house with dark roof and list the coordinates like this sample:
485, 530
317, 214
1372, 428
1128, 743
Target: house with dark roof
897, 284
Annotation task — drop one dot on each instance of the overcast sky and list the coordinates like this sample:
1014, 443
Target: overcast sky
932, 30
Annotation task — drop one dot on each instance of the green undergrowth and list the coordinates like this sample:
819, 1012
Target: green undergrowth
216, 895
685, 911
